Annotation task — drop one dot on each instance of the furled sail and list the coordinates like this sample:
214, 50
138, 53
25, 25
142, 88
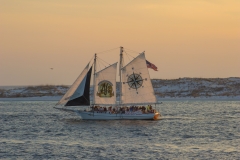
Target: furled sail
78, 94
136, 83
105, 86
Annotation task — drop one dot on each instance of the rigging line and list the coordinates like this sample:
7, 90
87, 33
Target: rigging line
102, 52
103, 61
130, 55
91, 58
123, 61
131, 50
127, 56
86, 99
98, 64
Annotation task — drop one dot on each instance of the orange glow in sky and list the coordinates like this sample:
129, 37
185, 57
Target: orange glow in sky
187, 38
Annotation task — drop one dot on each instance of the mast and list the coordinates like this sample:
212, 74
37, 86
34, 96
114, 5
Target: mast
120, 74
94, 77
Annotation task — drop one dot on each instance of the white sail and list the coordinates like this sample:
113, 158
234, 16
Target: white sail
136, 83
105, 86
76, 89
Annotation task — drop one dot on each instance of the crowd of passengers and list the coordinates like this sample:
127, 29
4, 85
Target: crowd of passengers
122, 110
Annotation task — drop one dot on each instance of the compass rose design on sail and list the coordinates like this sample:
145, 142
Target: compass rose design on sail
135, 81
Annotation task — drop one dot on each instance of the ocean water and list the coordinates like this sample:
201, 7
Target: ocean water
187, 130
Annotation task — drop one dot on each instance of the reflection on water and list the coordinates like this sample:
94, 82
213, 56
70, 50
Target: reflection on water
186, 130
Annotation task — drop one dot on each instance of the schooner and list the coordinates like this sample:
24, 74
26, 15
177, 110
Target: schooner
136, 92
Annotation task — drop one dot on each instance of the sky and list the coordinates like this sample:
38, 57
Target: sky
187, 38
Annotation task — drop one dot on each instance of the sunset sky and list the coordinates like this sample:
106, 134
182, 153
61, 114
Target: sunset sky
187, 38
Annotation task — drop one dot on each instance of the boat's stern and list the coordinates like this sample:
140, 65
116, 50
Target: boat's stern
157, 116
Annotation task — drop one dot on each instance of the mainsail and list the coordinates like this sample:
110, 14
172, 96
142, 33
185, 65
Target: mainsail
136, 83
105, 86
78, 94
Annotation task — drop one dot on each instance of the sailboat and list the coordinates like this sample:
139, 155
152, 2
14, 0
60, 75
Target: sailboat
136, 92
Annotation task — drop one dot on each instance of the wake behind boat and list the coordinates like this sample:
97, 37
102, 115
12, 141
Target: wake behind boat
136, 92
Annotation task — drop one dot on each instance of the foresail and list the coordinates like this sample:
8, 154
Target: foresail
81, 96
136, 83
105, 86
74, 87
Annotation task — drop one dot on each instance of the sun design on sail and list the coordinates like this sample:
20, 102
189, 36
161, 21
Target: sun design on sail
105, 89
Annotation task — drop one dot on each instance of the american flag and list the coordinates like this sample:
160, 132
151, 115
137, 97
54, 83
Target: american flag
152, 66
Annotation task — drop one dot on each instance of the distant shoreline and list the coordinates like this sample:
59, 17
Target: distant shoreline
45, 98
57, 98
187, 89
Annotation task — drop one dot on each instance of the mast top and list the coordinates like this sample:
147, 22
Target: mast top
121, 49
